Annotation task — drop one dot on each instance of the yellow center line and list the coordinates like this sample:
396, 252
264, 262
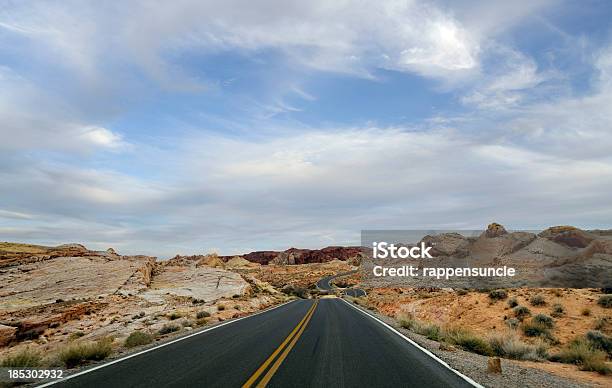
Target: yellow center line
263, 366
264, 381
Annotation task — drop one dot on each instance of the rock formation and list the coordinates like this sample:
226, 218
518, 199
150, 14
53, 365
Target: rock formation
302, 256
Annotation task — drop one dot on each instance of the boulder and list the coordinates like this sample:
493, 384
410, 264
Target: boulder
494, 230
568, 236
7, 334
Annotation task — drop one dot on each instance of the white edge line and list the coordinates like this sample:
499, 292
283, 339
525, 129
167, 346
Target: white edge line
444, 363
160, 346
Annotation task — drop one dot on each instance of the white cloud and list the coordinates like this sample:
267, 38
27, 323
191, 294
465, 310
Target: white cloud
347, 36
102, 137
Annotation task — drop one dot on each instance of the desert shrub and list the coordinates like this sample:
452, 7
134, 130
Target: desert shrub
75, 335
513, 323
187, 323
580, 352
468, 341
24, 358
498, 294
543, 320
166, 329
586, 311
596, 364
602, 323
220, 307
605, 301
202, 314
429, 330
512, 302
462, 291
138, 338
557, 292
600, 341
521, 312
557, 310
541, 348
537, 300
534, 329
174, 316
76, 354
510, 346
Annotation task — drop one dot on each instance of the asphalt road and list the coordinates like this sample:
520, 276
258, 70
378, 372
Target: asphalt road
324, 284
305, 343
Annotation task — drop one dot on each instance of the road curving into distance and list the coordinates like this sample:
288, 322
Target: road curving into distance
324, 284
305, 343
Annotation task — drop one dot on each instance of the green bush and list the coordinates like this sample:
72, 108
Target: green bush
537, 300
512, 302
468, 341
498, 294
534, 329
76, 354
22, 359
543, 320
166, 329
557, 310
605, 301
581, 352
521, 312
600, 341
75, 335
174, 316
138, 338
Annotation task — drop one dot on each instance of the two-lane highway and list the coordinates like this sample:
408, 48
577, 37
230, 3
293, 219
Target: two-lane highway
305, 343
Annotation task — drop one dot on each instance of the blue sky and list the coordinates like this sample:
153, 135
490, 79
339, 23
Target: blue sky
195, 126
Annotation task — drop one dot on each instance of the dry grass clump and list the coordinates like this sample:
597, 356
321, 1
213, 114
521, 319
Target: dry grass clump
467, 340
605, 301
202, 314
220, 307
582, 353
429, 330
586, 312
76, 354
557, 310
537, 300
498, 295
512, 302
521, 312
138, 338
166, 329
174, 316
24, 358
600, 341
509, 345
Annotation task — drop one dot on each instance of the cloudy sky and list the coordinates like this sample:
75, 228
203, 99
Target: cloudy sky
192, 126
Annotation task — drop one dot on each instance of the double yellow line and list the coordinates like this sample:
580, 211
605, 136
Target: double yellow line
287, 345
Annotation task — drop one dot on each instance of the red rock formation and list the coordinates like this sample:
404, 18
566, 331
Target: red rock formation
301, 256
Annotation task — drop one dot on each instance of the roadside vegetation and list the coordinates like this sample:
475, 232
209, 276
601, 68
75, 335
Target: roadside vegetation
138, 338
75, 354
527, 335
22, 359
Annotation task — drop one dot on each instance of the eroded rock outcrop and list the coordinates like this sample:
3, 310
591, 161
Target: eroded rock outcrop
302, 256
